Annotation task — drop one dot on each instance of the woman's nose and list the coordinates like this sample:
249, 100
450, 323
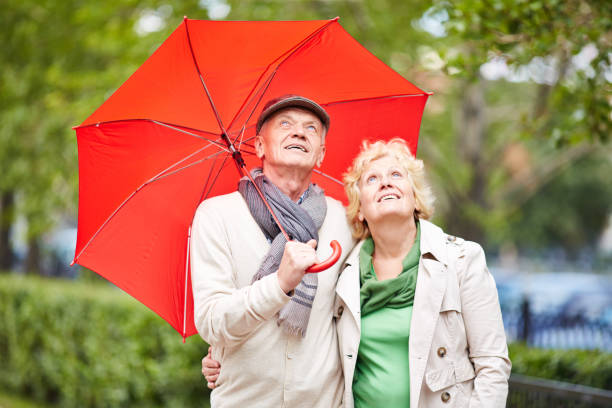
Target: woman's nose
385, 181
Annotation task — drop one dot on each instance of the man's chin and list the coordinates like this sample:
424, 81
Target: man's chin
293, 165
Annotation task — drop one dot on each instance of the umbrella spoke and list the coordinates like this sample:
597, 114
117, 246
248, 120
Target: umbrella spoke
335, 180
189, 156
244, 142
212, 184
376, 98
163, 174
195, 62
219, 144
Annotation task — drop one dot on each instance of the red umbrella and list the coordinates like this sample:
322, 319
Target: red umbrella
158, 147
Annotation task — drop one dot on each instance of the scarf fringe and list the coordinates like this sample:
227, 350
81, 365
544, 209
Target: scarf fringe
290, 328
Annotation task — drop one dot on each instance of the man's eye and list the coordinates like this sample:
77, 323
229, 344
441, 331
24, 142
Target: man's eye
284, 123
311, 128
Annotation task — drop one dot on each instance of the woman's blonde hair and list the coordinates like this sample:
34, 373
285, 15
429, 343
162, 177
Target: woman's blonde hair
414, 167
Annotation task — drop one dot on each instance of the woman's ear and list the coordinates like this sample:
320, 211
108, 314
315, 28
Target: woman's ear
360, 216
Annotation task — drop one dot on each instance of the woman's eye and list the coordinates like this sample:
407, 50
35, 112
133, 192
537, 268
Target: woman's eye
396, 174
371, 179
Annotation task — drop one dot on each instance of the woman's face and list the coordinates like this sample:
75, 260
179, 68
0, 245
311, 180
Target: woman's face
385, 191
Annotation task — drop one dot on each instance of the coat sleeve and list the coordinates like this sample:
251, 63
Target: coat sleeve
488, 349
225, 314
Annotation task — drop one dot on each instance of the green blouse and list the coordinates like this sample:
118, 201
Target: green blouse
382, 376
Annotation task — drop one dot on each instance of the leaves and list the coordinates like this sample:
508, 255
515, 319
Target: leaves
83, 345
62, 59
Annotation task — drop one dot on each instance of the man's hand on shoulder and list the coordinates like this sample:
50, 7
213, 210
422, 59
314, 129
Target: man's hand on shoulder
296, 259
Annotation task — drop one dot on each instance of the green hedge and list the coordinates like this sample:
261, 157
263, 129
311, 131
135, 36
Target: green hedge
85, 345
82, 345
586, 367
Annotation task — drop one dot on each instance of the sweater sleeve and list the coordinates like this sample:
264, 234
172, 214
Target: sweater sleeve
225, 314
484, 328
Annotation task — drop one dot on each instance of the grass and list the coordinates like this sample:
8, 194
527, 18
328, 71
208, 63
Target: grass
12, 401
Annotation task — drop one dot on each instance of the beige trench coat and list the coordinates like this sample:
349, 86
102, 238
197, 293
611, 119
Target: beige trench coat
458, 354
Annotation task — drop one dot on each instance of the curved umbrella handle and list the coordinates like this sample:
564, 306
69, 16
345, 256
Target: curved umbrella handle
337, 251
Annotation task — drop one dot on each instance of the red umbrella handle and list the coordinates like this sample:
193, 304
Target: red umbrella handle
337, 251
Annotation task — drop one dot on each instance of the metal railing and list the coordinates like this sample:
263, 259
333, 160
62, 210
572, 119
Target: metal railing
530, 392
555, 330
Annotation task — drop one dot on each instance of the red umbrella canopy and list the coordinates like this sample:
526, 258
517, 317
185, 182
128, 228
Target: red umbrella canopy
153, 151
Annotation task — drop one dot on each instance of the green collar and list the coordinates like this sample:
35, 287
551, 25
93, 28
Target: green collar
394, 293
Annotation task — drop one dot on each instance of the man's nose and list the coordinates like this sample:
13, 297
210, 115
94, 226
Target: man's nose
299, 131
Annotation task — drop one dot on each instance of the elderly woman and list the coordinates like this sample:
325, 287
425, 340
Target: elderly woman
419, 322
418, 319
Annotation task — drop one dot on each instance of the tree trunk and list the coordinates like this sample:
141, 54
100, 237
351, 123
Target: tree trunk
7, 217
33, 261
471, 136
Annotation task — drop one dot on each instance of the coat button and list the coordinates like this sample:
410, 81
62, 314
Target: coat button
445, 396
340, 311
441, 352
451, 238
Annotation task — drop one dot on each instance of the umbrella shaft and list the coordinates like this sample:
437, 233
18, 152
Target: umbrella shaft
241, 165
248, 174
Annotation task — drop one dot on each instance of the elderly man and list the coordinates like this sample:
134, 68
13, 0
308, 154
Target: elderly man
270, 324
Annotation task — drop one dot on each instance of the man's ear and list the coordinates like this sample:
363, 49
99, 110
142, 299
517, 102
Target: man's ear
321, 156
259, 150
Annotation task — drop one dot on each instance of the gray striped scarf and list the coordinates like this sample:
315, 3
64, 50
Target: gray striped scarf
302, 222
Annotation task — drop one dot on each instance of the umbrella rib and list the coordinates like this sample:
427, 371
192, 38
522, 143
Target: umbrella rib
162, 176
195, 62
290, 51
377, 97
158, 176
218, 144
241, 136
244, 142
210, 172
186, 279
212, 184
335, 180
145, 120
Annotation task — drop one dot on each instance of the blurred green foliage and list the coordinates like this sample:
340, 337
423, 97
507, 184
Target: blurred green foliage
592, 368
521, 30
492, 147
574, 196
78, 345
60, 60
12, 401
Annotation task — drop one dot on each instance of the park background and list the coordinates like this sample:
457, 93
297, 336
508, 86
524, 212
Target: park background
515, 141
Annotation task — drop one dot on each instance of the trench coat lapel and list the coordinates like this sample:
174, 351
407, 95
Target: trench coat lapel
347, 287
430, 288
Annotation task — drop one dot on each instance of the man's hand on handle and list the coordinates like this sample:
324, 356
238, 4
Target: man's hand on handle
296, 259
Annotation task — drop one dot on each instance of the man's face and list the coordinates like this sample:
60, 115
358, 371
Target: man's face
292, 137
